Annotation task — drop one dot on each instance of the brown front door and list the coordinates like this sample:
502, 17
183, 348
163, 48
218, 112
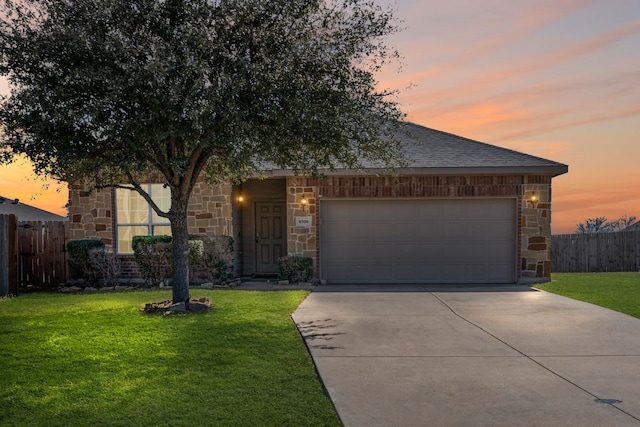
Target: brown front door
270, 235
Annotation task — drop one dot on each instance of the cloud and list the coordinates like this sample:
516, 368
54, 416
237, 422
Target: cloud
451, 97
522, 20
538, 129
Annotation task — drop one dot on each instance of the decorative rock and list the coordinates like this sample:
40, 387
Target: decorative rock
120, 288
124, 281
64, 290
207, 285
234, 283
107, 289
90, 289
130, 288
199, 305
283, 282
74, 289
137, 281
178, 308
198, 281
305, 284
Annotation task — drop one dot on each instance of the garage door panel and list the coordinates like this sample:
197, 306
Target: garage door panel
419, 241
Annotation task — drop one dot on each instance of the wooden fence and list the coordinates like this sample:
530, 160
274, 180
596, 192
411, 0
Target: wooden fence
33, 253
600, 252
8, 255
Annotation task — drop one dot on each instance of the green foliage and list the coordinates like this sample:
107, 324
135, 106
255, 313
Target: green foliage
211, 256
617, 291
216, 262
153, 256
196, 251
79, 259
295, 268
111, 91
95, 360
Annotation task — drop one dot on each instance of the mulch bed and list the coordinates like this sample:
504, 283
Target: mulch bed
196, 305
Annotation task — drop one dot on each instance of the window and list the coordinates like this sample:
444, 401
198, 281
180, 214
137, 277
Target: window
134, 216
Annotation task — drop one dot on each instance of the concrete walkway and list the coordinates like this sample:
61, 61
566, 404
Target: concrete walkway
473, 356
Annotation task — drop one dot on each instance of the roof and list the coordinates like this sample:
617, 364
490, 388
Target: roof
24, 212
427, 148
431, 152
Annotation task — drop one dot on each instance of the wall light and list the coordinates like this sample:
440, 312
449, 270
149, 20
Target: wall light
304, 202
533, 199
240, 200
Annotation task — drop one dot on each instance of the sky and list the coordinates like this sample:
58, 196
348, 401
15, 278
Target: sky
558, 79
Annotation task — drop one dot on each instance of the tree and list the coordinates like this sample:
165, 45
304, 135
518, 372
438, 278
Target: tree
602, 225
111, 91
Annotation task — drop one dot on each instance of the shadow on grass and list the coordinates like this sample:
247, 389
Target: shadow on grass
241, 363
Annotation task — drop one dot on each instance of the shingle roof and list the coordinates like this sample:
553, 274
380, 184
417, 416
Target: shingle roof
26, 212
429, 148
430, 152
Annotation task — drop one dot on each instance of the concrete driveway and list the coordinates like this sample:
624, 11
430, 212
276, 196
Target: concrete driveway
471, 356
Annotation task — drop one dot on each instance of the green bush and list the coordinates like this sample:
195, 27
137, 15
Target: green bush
79, 259
153, 256
295, 268
216, 262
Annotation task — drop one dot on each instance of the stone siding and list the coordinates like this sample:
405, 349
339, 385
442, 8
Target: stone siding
92, 215
533, 222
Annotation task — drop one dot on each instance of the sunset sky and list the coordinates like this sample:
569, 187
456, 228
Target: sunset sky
559, 79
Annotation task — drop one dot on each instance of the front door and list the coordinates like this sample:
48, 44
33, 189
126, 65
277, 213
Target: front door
270, 235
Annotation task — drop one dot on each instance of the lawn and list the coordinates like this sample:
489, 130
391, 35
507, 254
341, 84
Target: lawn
81, 360
617, 291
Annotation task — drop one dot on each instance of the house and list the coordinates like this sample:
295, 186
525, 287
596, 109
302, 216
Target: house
26, 212
462, 211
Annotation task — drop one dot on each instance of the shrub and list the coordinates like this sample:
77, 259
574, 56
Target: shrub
153, 256
106, 264
79, 259
216, 262
295, 268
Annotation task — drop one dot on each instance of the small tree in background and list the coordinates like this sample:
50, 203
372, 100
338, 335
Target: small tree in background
113, 91
602, 225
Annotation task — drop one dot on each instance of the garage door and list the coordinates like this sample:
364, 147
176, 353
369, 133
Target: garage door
418, 241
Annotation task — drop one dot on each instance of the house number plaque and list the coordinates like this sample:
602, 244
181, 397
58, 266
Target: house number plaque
303, 221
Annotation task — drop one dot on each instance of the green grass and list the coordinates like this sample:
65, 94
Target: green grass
95, 360
617, 291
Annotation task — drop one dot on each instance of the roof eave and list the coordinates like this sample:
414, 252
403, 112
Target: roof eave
553, 170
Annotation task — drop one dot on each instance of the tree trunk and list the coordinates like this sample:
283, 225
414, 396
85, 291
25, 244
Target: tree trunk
180, 244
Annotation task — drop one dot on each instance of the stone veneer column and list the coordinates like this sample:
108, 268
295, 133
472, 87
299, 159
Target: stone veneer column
301, 241
536, 231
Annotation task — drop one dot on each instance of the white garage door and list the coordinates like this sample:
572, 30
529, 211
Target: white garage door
418, 241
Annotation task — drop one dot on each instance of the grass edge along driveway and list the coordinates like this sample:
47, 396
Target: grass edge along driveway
616, 291
96, 360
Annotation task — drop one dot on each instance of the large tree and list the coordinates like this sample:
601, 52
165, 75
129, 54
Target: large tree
111, 91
